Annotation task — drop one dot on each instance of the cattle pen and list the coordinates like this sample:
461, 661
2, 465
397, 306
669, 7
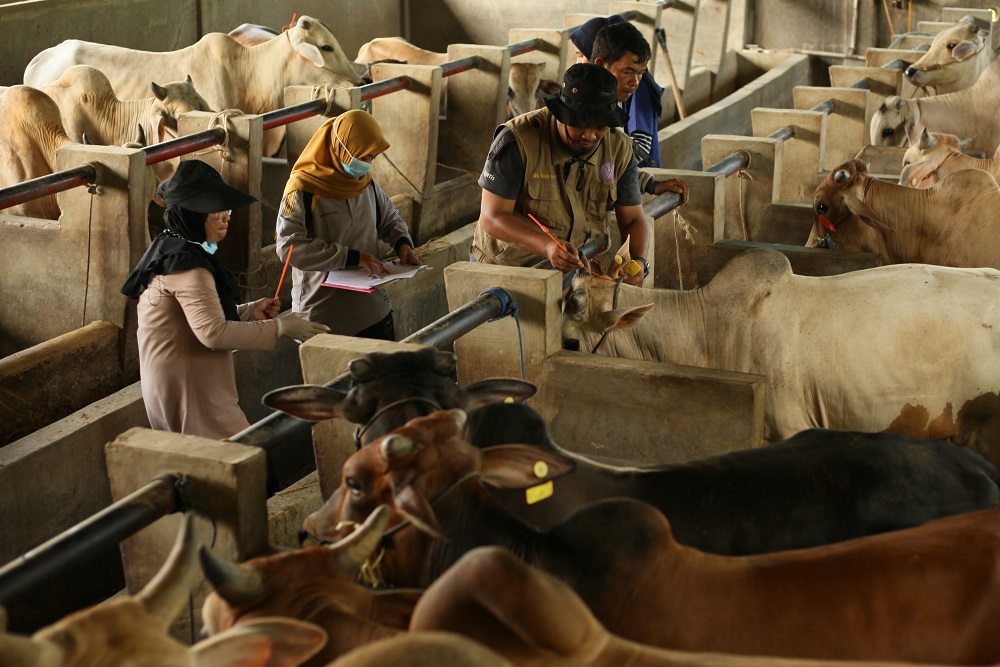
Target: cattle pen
766, 115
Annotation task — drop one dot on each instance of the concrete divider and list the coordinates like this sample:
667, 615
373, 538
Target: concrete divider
51, 380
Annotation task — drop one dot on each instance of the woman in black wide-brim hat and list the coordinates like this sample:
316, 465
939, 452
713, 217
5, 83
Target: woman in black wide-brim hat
189, 319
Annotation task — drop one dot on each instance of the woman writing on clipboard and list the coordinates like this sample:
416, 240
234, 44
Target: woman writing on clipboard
334, 214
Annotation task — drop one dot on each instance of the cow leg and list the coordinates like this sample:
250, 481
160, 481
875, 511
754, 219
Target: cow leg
494, 598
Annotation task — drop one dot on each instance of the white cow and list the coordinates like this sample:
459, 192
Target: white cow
525, 86
226, 73
971, 112
90, 108
955, 59
907, 348
936, 155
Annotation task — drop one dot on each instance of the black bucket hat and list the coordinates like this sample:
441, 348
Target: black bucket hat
589, 97
198, 187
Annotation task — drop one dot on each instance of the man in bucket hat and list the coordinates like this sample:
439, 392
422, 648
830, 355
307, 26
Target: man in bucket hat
565, 165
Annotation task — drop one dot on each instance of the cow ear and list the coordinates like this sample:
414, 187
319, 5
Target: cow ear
158, 91
548, 87
522, 466
497, 390
311, 402
261, 642
622, 318
306, 49
927, 140
965, 142
914, 174
964, 50
412, 504
864, 212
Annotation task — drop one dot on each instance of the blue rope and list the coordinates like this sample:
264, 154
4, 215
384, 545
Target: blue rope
508, 307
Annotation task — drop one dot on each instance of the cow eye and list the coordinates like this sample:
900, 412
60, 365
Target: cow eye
354, 487
906, 163
951, 46
326, 47
822, 208
888, 132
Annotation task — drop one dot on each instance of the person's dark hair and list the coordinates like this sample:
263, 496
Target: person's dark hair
613, 41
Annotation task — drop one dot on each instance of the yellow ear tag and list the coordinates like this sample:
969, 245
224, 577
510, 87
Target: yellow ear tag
508, 400
538, 493
913, 181
541, 469
618, 259
633, 267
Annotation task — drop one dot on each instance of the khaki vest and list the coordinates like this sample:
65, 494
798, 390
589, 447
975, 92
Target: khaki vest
570, 197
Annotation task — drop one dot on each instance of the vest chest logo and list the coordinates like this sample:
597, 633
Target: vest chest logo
541, 175
607, 171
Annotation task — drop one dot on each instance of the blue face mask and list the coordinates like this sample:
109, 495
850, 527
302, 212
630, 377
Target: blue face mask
210, 248
355, 168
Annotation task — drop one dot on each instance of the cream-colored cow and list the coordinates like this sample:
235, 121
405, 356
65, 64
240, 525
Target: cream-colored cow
936, 155
954, 61
226, 73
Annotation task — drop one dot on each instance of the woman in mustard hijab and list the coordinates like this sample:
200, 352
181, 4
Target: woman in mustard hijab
334, 214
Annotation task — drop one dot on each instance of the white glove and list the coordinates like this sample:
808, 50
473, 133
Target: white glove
297, 327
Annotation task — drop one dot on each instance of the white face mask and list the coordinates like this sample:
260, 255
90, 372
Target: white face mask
210, 248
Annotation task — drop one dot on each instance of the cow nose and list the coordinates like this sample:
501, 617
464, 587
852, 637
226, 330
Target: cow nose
303, 536
911, 72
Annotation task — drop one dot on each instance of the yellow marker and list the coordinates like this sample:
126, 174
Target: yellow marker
538, 493
619, 259
913, 181
633, 268
508, 400
541, 469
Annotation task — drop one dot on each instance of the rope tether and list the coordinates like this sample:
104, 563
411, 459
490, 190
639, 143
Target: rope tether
508, 306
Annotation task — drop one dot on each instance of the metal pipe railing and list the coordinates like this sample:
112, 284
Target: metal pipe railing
458, 66
91, 537
44, 186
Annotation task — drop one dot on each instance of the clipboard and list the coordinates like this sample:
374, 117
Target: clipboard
358, 280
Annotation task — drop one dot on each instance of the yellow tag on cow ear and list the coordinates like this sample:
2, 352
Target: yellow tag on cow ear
538, 493
508, 400
541, 469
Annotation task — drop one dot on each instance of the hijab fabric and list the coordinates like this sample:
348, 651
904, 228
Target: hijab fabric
178, 248
318, 170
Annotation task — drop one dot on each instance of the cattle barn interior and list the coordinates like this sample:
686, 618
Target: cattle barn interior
763, 99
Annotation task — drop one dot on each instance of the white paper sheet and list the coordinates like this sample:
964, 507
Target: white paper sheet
359, 281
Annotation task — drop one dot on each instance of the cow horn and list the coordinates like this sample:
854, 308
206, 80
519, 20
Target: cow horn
927, 140
167, 593
460, 417
361, 369
444, 363
841, 176
395, 446
238, 585
159, 92
86, 140
354, 550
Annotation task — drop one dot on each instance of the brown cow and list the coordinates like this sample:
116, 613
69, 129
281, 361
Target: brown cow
315, 584
535, 620
133, 631
904, 595
954, 223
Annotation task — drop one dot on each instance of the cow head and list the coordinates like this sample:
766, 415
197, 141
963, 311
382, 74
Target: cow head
389, 389
840, 210
892, 122
314, 42
931, 158
315, 583
527, 89
133, 631
172, 100
589, 312
949, 63
418, 469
